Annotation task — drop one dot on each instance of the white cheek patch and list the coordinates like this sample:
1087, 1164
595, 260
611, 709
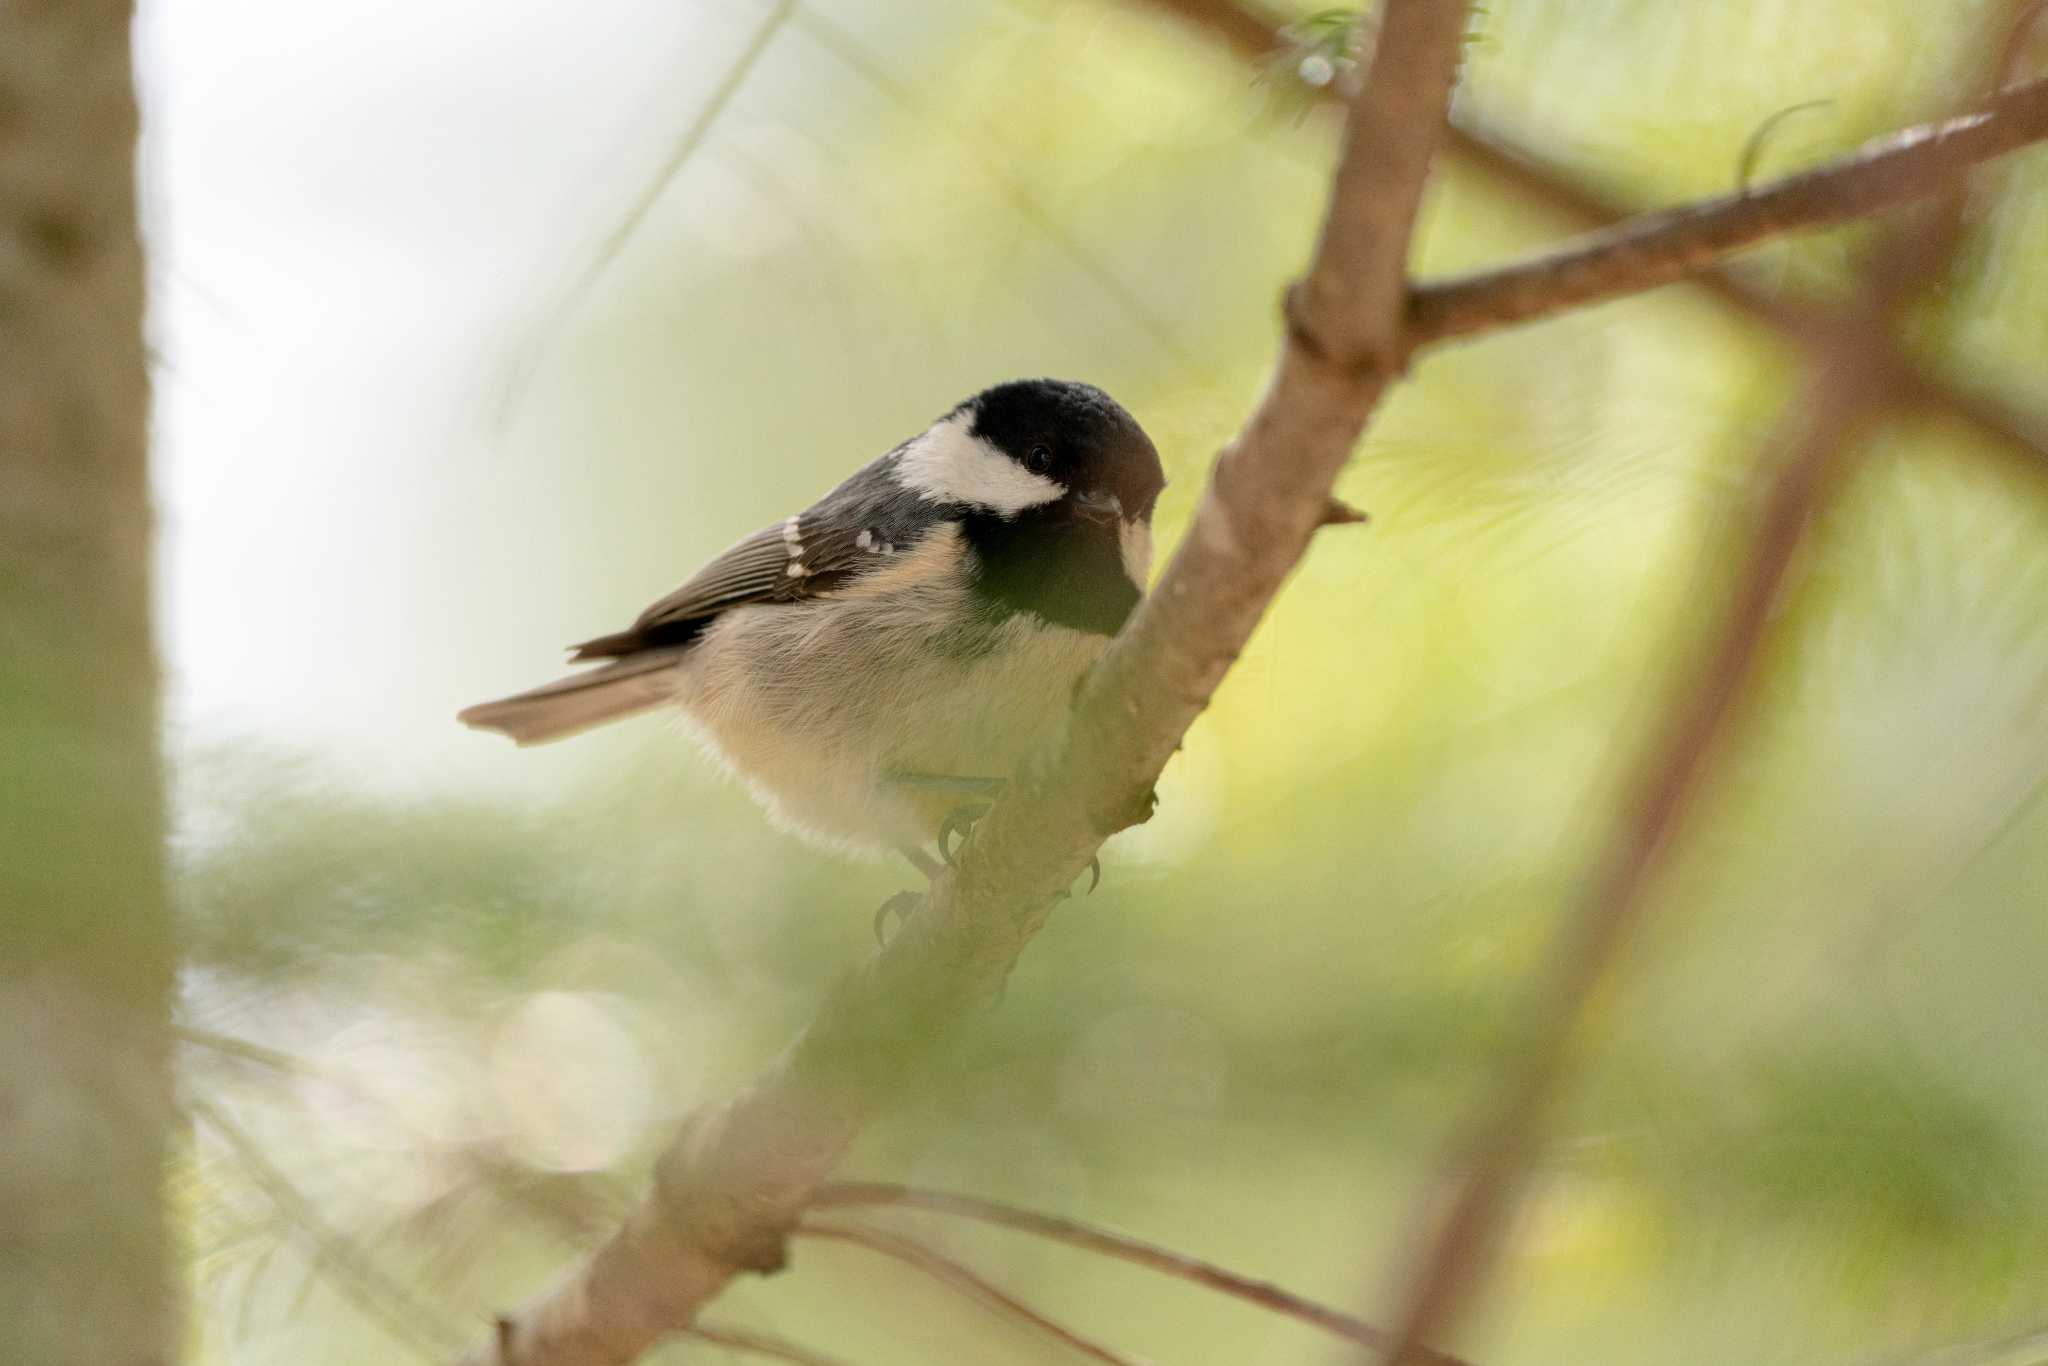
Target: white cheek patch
948, 464
1134, 544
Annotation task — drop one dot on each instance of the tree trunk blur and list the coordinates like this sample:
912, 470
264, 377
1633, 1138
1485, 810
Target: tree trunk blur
85, 945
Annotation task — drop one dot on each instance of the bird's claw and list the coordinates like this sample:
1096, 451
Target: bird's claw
899, 906
959, 822
1094, 881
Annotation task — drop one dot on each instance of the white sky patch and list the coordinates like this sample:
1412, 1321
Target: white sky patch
355, 215
949, 465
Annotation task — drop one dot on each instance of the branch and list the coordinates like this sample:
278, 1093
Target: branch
548, 329
1457, 1252
1655, 249
1560, 193
354, 1274
845, 1194
979, 149
751, 1342
956, 1275
734, 1183
1843, 393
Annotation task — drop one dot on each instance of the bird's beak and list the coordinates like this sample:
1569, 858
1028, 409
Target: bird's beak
1099, 507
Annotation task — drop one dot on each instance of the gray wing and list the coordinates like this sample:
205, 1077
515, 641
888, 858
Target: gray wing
850, 532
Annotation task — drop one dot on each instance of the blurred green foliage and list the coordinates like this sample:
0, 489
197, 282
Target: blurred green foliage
1811, 1121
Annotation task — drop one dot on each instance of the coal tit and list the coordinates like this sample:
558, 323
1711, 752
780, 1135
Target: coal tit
894, 651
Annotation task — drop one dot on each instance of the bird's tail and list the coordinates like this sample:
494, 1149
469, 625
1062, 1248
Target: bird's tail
569, 705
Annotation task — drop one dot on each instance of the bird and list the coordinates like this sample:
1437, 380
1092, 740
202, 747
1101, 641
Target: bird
878, 666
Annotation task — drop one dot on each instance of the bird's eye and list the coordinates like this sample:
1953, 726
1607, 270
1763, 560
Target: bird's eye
1039, 460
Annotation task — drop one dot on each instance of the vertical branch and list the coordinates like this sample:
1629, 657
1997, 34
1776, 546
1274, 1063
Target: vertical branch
1850, 358
85, 943
1835, 404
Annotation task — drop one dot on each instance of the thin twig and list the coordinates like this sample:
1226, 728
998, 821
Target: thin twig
1659, 248
734, 1183
958, 1276
243, 1050
355, 1274
1089, 1238
546, 331
1760, 138
836, 39
756, 1343
572, 1206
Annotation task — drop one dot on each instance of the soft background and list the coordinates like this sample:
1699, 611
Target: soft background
407, 452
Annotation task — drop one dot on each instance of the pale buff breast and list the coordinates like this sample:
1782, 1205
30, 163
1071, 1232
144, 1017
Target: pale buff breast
813, 704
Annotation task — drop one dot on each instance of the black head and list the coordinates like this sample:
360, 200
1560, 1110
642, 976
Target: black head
1054, 486
1074, 435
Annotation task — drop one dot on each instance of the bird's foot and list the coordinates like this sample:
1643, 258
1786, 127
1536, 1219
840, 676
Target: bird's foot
959, 822
1094, 881
900, 908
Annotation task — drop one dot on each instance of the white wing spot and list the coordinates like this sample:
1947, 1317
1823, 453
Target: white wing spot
796, 570
866, 540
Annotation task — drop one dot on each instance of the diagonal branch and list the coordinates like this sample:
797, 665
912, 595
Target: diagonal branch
978, 149
1843, 395
753, 1342
548, 329
356, 1275
1560, 193
734, 1183
1088, 1238
1825, 422
956, 1275
1654, 249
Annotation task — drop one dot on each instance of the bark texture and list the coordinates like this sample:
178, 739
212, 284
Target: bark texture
85, 951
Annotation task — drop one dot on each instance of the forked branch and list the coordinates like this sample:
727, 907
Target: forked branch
1563, 195
958, 1276
1137, 1252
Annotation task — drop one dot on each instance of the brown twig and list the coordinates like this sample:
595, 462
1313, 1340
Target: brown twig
958, 1276
753, 1342
733, 1184
1658, 248
1559, 192
1088, 1238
